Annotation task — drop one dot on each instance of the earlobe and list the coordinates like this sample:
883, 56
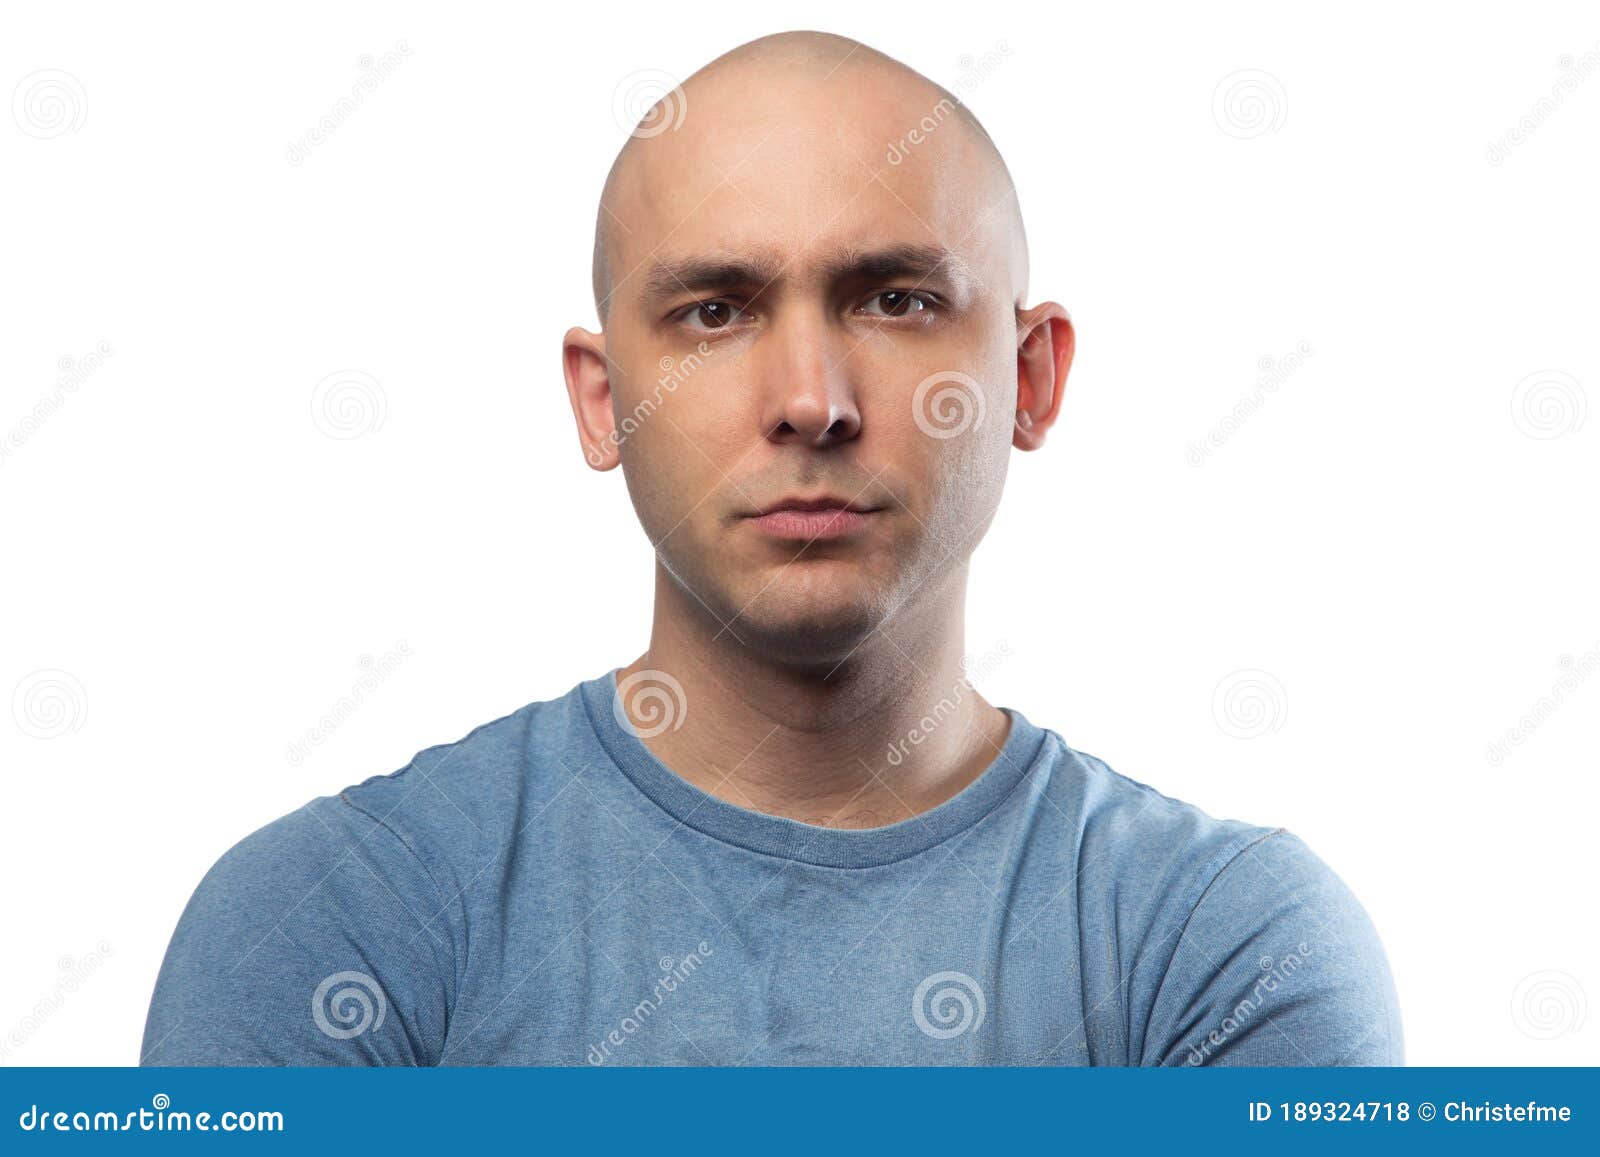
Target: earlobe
583, 361
1046, 342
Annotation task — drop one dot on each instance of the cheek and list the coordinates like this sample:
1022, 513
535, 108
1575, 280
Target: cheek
670, 439
962, 483
654, 484
946, 444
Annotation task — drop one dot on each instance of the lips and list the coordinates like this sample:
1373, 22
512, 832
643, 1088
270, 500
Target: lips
811, 519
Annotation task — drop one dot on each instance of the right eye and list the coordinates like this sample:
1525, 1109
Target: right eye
705, 316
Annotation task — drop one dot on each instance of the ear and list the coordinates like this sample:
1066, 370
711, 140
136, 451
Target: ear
1045, 344
583, 359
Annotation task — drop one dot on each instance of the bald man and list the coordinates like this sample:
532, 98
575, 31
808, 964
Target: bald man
792, 831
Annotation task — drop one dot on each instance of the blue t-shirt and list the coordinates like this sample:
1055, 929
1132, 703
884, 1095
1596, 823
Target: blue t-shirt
546, 891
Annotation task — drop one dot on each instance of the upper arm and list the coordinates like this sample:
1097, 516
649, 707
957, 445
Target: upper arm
318, 940
1278, 964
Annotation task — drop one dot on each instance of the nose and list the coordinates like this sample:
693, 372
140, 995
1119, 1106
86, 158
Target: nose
810, 398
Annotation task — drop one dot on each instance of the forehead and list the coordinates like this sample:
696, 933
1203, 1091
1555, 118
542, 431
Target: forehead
805, 171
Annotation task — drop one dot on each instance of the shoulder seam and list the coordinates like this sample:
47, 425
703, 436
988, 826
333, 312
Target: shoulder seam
1226, 864
433, 881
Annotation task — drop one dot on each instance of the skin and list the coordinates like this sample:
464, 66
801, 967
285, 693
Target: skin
804, 664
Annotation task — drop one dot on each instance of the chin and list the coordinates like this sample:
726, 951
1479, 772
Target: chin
808, 620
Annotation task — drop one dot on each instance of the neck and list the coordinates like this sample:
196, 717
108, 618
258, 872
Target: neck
871, 738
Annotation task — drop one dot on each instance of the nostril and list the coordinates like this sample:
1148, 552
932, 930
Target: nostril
838, 430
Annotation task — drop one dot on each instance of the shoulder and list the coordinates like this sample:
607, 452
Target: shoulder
457, 806
352, 893
322, 900
1286, 965
1247, 946
1151, 849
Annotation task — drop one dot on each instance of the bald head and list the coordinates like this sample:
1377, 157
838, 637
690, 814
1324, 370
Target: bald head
800, 73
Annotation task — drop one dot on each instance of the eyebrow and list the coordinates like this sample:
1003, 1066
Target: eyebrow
754, 272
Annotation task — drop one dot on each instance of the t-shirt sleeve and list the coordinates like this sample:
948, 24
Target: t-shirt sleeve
318, 940
1278, 964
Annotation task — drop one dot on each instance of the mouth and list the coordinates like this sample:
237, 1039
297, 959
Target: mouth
811, 519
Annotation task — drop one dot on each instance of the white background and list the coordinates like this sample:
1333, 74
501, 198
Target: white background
1398, 546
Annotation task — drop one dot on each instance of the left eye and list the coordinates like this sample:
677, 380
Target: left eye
898, 303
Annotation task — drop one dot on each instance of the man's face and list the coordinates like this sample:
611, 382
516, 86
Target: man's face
797, 322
